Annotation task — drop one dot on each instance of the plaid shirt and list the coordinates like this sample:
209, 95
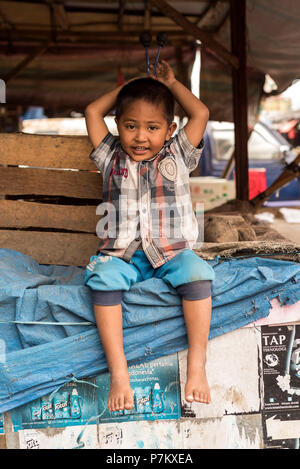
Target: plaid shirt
146, 203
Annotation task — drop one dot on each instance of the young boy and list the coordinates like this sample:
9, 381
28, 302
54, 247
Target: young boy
145, 172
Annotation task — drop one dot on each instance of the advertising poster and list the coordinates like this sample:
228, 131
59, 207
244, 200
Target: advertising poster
156, 391
281, 381
281, 369
74, 403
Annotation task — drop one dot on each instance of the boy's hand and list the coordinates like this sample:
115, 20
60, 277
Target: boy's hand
164, 73
195, 110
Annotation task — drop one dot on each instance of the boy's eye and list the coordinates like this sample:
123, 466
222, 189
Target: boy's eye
129, 126
153, 127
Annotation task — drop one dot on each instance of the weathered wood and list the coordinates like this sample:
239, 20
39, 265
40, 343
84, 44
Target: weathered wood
21, 214
51, 248
47, 151
79, 184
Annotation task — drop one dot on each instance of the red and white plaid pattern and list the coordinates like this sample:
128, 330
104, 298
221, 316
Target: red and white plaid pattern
147, 204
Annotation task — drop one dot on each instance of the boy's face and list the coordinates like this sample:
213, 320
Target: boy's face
143, 129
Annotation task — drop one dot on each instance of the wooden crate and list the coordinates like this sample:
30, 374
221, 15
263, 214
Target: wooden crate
48, 207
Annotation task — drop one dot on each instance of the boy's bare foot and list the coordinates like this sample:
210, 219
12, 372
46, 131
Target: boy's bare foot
196, 388
120, 394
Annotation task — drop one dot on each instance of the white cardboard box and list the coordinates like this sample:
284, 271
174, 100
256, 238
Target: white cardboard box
211, 191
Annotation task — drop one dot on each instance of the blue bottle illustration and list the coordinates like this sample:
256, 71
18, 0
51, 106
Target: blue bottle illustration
157, 399
75, 408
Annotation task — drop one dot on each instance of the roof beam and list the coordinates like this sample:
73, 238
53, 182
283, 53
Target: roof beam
240, 97
128, 36
194, 31
122, 4
147, 16
60, 14
40, 50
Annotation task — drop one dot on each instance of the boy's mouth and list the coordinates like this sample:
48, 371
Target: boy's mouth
140, 150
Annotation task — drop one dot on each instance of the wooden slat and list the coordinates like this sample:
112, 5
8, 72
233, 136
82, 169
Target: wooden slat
47, 151
51, 248
20, 214
79, 184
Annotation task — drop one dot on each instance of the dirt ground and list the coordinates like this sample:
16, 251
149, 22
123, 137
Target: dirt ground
289, 230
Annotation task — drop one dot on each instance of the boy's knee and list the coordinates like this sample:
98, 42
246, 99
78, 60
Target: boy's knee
188, 267
108, 274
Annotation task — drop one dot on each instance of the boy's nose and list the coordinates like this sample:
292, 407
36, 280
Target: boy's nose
140, 135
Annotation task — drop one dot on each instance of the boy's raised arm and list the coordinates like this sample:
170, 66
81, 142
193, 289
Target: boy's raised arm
195, 110
95, 113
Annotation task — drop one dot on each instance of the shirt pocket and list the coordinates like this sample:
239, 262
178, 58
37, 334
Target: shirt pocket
168, 169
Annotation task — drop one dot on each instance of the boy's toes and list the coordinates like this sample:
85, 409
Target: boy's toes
189, 396
197, 396
128, 402
110, 405
205, 398
120, 403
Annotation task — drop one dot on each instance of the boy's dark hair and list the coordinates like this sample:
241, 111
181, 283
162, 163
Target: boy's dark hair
151, 91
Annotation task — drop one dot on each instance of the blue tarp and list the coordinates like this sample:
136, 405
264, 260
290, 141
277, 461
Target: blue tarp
37, 358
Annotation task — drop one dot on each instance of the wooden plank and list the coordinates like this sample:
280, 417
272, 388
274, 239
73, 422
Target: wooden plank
47, 151
21, 214
106, 34
240, 97
26, 13
51, 248
79, 184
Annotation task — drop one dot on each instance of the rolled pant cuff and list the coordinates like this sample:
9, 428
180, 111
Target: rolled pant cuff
107, 298
198, 290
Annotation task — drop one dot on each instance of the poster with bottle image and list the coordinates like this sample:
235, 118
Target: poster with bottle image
74, 403
84, 402
156, 392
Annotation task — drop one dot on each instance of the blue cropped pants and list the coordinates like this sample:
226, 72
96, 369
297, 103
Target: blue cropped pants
109, 277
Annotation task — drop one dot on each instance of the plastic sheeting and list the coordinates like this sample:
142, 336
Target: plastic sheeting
37, 358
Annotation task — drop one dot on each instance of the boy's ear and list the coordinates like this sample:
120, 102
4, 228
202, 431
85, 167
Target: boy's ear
172, 128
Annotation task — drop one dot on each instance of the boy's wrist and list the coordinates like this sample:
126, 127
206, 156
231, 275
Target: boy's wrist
171, 84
